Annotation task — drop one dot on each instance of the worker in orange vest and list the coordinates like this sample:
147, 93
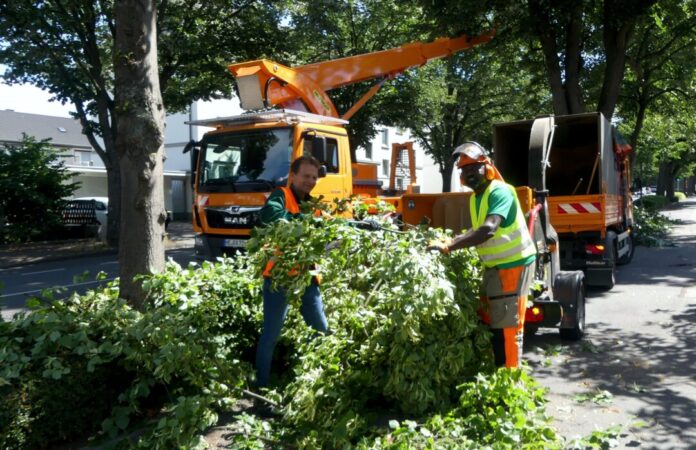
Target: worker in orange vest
283, 203
501, 238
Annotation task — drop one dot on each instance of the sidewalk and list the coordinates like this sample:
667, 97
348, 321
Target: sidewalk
179, 235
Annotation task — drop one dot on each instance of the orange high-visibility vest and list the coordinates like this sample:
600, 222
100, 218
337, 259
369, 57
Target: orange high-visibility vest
292, 207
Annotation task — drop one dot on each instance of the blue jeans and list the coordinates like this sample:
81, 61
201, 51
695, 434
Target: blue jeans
275, 309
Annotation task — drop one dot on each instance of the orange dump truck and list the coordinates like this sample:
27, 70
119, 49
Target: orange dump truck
587, 179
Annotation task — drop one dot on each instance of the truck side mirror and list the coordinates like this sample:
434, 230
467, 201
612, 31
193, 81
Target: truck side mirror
322, 171
193, 147
319, 148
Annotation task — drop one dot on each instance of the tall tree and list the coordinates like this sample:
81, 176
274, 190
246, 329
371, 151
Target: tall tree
139, 142
583, 43
661, 75
568, 33
459, 99
332, 29
66, 46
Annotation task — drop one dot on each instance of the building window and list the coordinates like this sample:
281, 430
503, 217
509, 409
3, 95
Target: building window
385, 167
400, 184
399, 131
385, 138
368, 152
83, 158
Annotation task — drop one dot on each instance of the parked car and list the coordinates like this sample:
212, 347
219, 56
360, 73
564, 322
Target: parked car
89, 214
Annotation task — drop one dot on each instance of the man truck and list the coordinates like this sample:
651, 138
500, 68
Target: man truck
237, 165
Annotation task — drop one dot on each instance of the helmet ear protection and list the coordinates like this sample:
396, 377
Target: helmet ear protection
490, 172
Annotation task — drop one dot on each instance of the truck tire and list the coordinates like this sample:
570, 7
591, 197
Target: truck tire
569, 292
625, 259
610, 255
578, 330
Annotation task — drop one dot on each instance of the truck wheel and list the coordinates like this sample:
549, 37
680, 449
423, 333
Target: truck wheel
530, 330
578, 330
625, 259
610, 255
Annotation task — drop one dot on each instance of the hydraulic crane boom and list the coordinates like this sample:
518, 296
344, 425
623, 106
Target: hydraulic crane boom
263, 83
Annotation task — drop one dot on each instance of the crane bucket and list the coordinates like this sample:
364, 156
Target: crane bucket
264, 83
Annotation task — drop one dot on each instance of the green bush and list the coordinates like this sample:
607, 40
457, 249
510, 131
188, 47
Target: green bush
33, 186
652, 202
176, 360
650, 226
404, 335
679, 196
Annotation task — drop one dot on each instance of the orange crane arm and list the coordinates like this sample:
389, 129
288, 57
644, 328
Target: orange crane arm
263, 83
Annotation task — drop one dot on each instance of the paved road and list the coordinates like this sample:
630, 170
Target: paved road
640, 349
23, 282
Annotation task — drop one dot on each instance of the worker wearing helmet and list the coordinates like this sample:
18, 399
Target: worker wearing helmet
503, 242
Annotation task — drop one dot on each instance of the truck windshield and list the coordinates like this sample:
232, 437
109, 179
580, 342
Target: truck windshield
245, 161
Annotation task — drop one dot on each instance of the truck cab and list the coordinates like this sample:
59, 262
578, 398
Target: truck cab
246, 157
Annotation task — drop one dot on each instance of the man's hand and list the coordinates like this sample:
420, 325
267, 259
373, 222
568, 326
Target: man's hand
438, 246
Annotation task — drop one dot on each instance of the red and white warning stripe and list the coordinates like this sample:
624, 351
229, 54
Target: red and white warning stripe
579, 208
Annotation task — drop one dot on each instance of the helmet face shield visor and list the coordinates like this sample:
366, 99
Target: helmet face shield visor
472, 150
470, 153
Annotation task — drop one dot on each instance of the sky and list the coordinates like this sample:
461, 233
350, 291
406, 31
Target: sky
27, 98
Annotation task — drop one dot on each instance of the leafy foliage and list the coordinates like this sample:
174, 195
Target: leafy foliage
175, 361
406, 363
651, 226
33, 185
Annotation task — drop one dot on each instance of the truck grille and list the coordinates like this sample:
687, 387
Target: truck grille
232, 216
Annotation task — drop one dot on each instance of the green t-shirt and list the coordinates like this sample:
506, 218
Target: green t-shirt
501, 202
274, 209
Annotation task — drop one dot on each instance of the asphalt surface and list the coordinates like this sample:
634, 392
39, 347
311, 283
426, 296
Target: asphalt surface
26, 270
636, 368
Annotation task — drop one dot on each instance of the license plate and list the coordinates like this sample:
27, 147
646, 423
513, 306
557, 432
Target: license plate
235, 243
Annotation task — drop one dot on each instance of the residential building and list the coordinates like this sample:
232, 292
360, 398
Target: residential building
82, 160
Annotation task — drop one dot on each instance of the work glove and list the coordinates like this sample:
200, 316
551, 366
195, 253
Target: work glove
367, 224
332, 245
372, 224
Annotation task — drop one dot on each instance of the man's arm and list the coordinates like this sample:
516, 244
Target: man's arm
500, 203
477, 236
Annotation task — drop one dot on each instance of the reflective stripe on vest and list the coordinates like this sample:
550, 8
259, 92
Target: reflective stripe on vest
508, 244
292, 207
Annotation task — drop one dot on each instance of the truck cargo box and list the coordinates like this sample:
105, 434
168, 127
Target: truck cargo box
582, 177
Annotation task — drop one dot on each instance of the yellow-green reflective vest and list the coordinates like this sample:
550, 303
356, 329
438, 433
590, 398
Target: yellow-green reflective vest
508, 244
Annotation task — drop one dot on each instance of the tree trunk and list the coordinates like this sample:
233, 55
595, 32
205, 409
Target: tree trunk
447, 177
616, 35
664, 179
109, 157
573, 59
140, 145
547, 37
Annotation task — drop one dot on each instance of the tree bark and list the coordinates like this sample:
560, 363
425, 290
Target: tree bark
139, 144
665, 181
573, 61
547, 37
